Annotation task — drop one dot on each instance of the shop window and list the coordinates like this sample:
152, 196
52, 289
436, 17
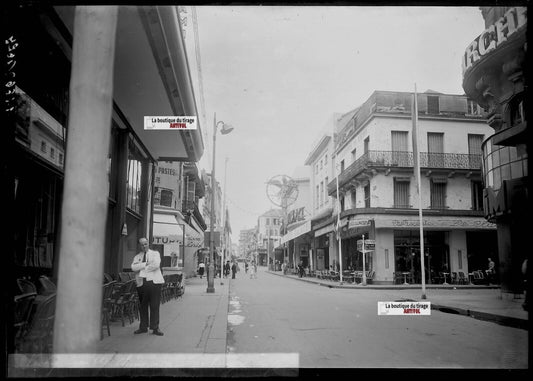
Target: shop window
438, 193
134, 179
166, 198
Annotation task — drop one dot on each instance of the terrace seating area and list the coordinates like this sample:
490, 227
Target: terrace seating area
34, 307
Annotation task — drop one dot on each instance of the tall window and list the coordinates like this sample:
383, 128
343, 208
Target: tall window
321, 193
342, 203
399, 148
326, 198
353, 198
317, 202
433, 104
366, 145
474, 150
435, 149
438, 193
367, 195
326, 159
477, 195
401, 192
342, 166
516, 111
353, 154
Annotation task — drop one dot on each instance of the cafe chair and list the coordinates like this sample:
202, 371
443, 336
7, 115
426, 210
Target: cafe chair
47, 287
462, 278
39, 338
121, 301
106, 307
22, 310
26, 286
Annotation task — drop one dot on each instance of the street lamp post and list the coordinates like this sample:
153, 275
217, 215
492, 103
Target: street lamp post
226, 129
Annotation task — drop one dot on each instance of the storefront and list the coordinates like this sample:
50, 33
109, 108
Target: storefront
447, 241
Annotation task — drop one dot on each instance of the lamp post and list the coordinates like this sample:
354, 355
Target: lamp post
226, 129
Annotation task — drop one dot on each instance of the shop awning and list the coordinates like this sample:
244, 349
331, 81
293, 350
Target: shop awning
166, 230
302, 229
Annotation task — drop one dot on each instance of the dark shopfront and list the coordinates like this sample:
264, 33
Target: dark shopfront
407, 254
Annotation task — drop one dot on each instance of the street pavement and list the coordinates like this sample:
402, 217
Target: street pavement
195, 326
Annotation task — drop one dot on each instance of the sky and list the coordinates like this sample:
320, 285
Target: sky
278, 73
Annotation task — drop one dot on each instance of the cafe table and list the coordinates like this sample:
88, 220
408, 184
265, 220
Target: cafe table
405, 277
445, 274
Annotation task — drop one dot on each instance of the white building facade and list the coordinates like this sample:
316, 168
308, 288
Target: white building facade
378, 190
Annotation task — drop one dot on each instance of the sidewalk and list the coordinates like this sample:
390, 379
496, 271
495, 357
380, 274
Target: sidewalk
479, 302
194, 323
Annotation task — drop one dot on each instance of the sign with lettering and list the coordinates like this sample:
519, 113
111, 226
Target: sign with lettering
436, 222
514, 20
370, 245
296, 215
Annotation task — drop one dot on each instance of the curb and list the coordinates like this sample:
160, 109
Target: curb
485, 316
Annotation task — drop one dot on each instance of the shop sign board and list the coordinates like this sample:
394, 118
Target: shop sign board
370, 245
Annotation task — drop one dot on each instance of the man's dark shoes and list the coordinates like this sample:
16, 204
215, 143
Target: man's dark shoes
140, 331
157, 332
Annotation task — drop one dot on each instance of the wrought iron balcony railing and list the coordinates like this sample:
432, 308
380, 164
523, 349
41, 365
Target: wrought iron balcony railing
404, 159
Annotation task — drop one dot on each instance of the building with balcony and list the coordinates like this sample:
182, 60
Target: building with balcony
218, 223
494, 76
268, 235
178, 226
378, 191
150, 69
297, 239
247, 243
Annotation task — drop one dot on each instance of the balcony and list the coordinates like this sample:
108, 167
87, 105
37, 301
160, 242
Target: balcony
372, 161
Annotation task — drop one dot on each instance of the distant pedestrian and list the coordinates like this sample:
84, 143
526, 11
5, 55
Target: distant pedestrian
233, 270
201, 269
491, 271
226, 269
246, 267
301, 272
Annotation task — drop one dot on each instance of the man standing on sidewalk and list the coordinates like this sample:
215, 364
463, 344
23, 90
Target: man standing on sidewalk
146, 266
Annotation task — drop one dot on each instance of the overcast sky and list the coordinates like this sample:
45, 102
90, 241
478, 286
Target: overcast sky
277, 73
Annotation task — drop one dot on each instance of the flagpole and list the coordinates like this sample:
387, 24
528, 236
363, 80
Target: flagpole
416, 157
338, 219
337, 230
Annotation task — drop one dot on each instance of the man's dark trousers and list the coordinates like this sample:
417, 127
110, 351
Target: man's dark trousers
150, 298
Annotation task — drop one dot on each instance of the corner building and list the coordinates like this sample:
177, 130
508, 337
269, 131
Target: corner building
494, 67
378, 189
